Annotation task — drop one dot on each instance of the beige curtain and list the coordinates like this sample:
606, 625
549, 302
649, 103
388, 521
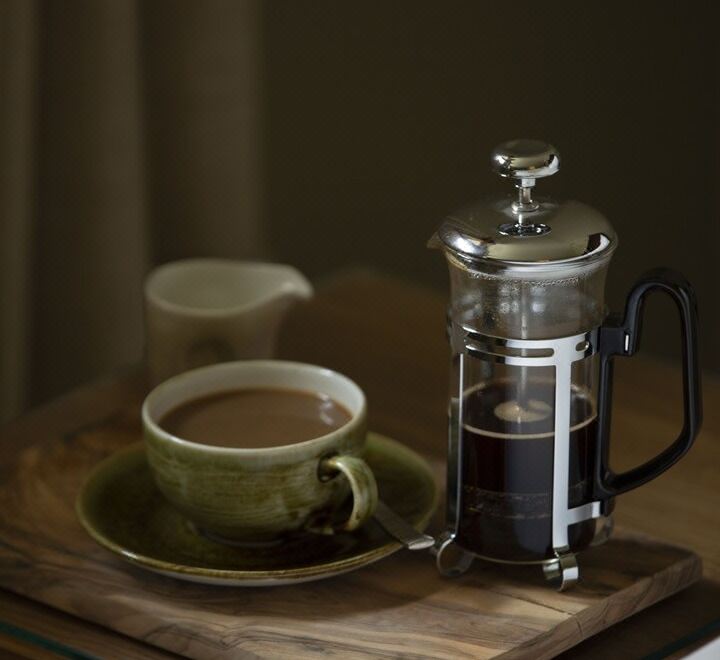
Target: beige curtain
128, 136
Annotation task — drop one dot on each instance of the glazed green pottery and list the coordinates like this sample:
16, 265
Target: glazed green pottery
260, 494
123, 510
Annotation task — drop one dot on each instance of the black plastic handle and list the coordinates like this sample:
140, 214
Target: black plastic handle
622, 337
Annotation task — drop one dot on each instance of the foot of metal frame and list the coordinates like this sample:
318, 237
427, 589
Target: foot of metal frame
562, 572
450, 558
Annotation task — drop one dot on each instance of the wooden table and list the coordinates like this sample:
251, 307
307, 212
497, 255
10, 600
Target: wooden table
389, 337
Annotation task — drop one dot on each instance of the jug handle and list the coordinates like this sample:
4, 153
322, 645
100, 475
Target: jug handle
621, 336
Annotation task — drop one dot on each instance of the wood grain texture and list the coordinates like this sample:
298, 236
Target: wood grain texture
69, 631
388, 337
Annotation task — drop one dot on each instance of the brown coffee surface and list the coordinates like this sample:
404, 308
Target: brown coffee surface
255, 418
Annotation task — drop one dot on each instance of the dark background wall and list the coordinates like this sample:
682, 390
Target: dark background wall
380, 117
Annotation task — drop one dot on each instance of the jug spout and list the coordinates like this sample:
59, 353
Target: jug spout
287, 284
275, 288
270, 289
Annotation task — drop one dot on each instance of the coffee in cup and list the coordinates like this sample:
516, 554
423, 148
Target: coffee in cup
253, 450
256, 417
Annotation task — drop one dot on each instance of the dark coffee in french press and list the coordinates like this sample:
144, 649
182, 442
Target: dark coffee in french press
531, 383
507, 470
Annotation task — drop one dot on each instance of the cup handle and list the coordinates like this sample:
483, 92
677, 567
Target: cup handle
362, 483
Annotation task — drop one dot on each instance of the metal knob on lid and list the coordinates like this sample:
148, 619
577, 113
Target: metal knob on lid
516, 233
525, 161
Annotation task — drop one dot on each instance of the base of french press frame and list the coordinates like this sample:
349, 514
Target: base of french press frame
561, 571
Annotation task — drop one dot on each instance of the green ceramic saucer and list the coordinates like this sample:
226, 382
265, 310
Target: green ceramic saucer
122, 510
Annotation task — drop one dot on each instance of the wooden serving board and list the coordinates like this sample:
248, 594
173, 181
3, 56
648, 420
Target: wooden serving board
399, 607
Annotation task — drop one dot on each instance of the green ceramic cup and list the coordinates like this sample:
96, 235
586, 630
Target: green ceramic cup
262, 494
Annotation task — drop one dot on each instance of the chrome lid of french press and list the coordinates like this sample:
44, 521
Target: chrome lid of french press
521, 231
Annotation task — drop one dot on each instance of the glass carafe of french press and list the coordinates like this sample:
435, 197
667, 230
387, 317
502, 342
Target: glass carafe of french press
532, 354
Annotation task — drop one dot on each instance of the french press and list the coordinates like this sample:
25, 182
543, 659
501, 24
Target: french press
532, 368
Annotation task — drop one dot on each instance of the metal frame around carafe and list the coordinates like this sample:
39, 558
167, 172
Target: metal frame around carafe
559, 353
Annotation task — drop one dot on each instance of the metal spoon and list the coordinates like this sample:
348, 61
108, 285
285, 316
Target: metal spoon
400, 529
